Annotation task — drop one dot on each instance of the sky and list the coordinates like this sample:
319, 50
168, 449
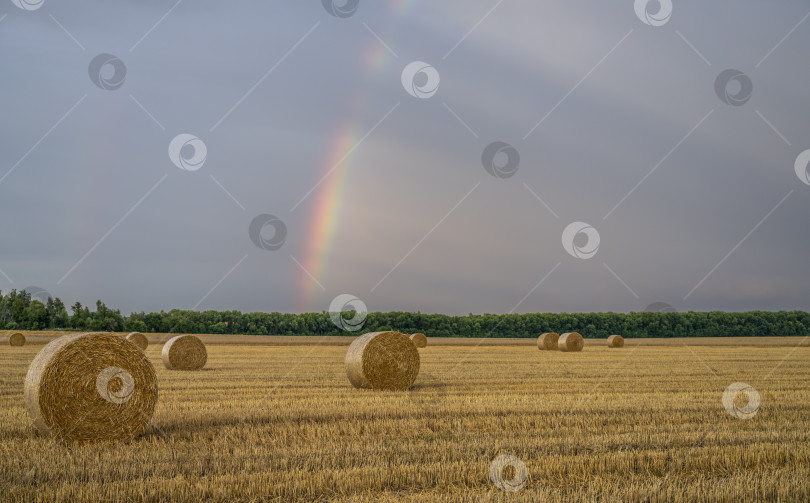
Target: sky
445, 157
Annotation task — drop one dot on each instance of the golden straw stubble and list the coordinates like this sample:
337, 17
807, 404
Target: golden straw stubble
419, 340
16, 339
571, 341
138, 339
548, 341
184, 352
382, 360
615, 341
91, 387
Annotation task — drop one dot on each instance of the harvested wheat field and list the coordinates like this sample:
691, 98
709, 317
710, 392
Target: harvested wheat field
500, 423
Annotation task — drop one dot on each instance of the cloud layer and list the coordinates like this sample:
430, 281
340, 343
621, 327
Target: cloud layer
617, 124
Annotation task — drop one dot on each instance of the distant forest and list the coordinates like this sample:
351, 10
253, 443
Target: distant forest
18, 311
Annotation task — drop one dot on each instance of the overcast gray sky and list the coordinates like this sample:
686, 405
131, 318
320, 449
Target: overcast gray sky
615, 112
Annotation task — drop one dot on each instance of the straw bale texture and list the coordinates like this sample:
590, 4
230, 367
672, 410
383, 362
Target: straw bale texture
138, 339
548, 341
91, 387
571, 341
184, 352
419, 340
382, 360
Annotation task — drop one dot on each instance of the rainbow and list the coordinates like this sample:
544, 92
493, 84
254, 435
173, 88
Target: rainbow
324, 219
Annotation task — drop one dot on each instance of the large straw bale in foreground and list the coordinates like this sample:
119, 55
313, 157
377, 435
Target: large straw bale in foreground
548, 341
17, 339
89, 387
571, 341
138, 339
382, 360
184, 352
419, 340
615, 341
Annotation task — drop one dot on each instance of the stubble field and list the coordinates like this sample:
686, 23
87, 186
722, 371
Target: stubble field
281, 423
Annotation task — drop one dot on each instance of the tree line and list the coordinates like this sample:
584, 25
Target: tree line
19, 311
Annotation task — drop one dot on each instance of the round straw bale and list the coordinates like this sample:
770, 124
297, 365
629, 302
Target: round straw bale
548, 341
138, 339
91, 387
16, 339
571, 341
184, 352
382, 360
419, 340
615, 341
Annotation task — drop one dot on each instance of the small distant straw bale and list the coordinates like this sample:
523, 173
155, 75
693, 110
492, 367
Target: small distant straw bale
138, 339
420, 340
548, 341
382, 360
184, 352
571, 341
